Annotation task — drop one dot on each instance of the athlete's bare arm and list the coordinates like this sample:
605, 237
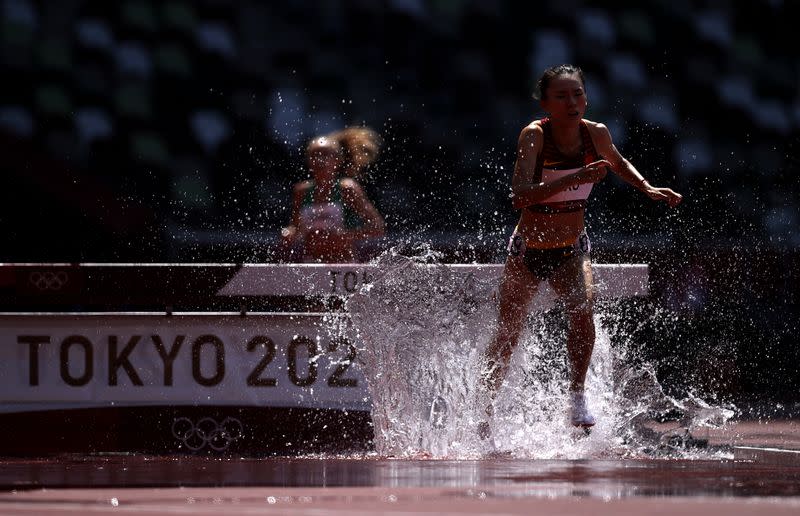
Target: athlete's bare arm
624, 169
298, 193
525, 191
356, 199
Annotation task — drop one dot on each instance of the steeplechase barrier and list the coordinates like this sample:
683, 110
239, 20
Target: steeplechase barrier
194, 356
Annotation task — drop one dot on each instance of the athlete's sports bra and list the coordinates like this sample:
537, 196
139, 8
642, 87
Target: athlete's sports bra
327, 215
553, 164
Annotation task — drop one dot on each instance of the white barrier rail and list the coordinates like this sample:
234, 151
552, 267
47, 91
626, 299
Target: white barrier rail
611, 280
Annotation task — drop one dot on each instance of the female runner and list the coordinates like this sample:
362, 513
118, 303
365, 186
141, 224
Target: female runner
559, 158
331, 213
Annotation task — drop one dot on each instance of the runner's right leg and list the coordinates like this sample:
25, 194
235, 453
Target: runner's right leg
517, 288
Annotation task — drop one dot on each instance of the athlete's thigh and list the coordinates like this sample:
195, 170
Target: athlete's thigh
573, 282
518, 285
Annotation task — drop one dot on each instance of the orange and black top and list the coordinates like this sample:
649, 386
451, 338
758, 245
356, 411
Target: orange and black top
552, 164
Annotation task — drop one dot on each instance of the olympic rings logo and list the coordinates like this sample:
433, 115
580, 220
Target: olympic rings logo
207, 432
48, 280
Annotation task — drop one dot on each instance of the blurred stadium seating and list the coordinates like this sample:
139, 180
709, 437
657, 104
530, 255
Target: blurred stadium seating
197, 113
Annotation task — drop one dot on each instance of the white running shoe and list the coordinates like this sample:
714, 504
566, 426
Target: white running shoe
579, 413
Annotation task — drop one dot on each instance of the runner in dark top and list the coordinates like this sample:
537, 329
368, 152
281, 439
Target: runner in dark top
559, 158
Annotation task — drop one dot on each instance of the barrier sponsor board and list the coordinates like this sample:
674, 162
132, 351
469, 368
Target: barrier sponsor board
280, 360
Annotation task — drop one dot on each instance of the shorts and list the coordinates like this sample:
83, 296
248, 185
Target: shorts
542, 263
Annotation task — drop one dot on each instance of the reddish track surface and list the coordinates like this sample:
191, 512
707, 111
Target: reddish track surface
351, 500
765, 483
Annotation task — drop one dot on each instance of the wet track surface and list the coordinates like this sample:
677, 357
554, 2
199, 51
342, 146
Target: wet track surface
618, 478
748, 468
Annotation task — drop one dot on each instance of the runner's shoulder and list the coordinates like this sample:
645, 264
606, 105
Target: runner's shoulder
596, 128
303, 186
532, 132
350, 186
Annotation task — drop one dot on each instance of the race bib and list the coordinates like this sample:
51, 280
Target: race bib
574, 193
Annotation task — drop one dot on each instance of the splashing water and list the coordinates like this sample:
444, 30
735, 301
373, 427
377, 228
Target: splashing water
424, 329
